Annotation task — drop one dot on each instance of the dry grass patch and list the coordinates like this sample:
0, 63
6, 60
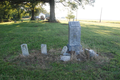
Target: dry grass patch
37, 60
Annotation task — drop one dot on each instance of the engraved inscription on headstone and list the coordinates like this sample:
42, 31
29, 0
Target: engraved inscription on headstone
74, 36
24, 49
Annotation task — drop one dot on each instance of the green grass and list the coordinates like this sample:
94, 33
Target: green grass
104, 37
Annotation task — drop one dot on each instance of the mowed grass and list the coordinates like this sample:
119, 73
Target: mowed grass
103, 37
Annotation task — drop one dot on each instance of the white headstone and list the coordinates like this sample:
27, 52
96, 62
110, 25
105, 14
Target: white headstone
64, 50
43, 48
24, 49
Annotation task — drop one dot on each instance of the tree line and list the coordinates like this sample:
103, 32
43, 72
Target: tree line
15, 9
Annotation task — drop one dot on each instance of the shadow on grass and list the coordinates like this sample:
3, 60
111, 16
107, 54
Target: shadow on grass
64, 24
102, 37
104, 29
24, 24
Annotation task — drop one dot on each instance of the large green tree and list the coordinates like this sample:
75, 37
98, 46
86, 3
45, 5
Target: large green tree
36, 11
6, 11
18, 11
9, 11
29, 5
71, 3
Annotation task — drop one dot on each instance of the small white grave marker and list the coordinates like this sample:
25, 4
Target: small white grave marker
43, 48
24, 49
64, 50
64, 58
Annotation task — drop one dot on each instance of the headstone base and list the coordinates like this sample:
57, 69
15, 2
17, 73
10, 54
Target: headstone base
75, 48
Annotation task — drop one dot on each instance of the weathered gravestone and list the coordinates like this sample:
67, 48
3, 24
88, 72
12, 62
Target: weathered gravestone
24, 49
43, 48
74, 37
64, 50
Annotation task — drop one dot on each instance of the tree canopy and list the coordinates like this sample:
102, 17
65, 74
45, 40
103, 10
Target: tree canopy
73, 4
9, 12
12, 9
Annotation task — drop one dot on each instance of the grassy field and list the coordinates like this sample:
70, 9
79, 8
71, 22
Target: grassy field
102, 37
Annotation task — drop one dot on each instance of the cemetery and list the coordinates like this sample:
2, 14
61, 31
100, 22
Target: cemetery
35, 44
42, 49
73, 50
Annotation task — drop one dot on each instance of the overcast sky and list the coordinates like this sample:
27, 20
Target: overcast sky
110, 10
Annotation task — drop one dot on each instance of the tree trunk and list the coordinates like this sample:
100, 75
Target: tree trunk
52, 11
33, 15
18, 14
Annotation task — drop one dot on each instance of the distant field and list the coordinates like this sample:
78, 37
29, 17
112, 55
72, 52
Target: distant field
103, 21
103, 37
